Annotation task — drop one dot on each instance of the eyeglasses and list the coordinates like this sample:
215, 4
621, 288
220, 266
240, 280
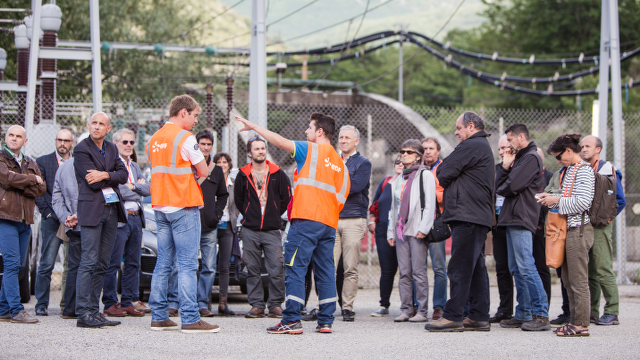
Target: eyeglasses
66, 141
409, 152
559, 156
127, 142
398, 162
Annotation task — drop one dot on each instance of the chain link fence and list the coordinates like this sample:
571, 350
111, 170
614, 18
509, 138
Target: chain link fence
383, 128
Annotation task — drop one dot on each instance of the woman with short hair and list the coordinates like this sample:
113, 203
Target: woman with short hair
409, 224
576, 185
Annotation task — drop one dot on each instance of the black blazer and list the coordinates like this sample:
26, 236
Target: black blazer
90, 199
48, 165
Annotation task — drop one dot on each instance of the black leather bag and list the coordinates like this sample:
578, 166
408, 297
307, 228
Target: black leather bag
440, 230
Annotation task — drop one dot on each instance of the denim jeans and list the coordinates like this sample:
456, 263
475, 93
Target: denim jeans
48, 254
173, 300
467, 273
208, 244
178, 237
388, 269
438, 256
530, 294
14, 242
309, 241
75, 250
97, 245
128, 246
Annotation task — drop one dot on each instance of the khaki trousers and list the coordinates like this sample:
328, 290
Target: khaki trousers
575, 273
348, 238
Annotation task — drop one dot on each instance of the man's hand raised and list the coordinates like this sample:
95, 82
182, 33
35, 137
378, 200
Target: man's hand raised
248, 125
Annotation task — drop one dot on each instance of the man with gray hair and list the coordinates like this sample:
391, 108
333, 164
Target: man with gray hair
352, 223
99, 172
467, 176
128, 236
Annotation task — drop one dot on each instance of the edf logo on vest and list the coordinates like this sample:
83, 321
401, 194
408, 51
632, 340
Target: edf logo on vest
327, 163
156, 147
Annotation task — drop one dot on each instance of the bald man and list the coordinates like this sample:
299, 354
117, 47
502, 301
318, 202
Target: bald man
20, 184
48, 165
99, 171
601, 276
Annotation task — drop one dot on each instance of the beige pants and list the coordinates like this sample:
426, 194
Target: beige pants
348, 238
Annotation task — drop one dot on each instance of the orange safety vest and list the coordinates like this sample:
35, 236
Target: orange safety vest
172, 180
322, 186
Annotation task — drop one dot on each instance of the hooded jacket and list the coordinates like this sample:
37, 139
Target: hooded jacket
18, 188
467, 176
278, 188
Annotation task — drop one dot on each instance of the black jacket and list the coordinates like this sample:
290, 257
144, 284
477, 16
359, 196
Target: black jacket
546, 175
358, 199
519, 185
91, 202
278, 190
467, 176
48, 165
215, 195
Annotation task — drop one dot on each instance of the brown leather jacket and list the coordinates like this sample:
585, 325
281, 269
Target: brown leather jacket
18, 188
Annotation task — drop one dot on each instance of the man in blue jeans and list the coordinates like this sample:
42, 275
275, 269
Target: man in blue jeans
519, 179
437, 251
20, 183
48, 165
176, 197
321, 179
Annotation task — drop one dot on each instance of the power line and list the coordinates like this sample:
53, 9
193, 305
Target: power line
329, 26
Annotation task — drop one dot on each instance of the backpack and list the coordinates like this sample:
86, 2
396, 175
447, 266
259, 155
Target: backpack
604, 207
374, 209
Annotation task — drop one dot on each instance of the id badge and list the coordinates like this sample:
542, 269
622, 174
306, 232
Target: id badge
110, 196
222, 224
499, 203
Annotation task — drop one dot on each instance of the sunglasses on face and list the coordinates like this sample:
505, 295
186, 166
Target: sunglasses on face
398, 162
127, 142
409, 152
559, 156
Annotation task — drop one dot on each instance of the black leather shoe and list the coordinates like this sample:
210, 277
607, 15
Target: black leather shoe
108, 322
41, 312
88, 321
311, 315
499, 317
348, 315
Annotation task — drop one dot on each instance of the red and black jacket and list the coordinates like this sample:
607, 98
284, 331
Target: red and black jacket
278, 188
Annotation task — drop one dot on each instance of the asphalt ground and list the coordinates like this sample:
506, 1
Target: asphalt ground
366, 338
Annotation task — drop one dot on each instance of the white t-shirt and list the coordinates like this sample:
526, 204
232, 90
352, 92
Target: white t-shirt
190, 151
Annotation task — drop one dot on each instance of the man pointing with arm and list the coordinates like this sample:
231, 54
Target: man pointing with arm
321, 184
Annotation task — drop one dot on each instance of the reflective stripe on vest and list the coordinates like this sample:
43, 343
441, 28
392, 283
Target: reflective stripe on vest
311, 180
171, 169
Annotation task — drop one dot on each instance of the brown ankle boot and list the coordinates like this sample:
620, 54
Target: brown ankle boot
223, 308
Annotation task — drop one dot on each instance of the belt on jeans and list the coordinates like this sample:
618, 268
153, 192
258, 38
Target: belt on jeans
131, 212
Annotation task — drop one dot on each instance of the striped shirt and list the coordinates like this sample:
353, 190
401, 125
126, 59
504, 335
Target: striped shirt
580, 200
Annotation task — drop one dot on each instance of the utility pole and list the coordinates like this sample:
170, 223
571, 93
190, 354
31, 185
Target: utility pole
33, 67
258, 66
400, 63
603, 85
96, 71
618, 151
